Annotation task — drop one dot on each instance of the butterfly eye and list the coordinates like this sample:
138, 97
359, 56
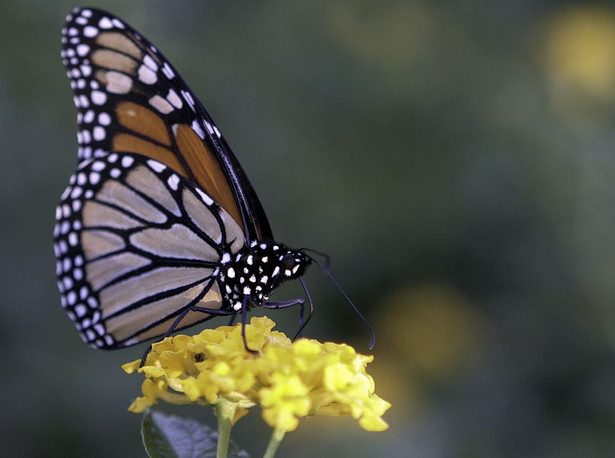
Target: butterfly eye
288, 261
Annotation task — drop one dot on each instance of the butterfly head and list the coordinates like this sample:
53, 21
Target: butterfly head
257, 270
293, 264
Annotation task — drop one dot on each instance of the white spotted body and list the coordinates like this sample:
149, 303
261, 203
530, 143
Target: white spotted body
256, 271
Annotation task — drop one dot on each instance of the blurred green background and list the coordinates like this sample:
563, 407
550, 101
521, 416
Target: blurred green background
456, 160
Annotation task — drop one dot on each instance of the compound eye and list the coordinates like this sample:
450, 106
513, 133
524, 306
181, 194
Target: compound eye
288, 262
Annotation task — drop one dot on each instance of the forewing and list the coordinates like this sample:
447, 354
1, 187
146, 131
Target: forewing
130, 99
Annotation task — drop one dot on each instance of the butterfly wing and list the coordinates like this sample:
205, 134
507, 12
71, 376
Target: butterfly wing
137, 244
130, 99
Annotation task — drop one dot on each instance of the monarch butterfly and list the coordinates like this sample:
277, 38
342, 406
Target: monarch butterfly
159, 227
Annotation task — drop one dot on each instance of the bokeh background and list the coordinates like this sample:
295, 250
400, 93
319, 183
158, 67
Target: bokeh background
456, 160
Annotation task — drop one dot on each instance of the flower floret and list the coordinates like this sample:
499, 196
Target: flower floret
285, 402
289, 380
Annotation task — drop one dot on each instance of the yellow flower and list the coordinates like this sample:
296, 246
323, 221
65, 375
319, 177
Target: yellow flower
285, 402
289, 380
579, 49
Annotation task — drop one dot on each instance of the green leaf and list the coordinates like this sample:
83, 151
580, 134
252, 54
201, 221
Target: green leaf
170, 436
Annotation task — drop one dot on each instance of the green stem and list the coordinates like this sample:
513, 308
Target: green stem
274, 443
225, 411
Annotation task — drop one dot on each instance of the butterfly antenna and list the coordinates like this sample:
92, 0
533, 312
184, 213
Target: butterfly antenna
327, 272
309, 317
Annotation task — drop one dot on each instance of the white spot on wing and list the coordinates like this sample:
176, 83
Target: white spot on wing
188, 98
197, 128
98, 133
147, 60
156, 166
98, 166
173, 182
105, 23
90, 31
208, 200
104, 119
127, 161
168, 71
174, 99
82, 49
98, 97
72, 239
161, 104
146, 75
118, 83
88, 117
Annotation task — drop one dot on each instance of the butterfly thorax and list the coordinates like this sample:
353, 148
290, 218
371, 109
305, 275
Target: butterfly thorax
257, 270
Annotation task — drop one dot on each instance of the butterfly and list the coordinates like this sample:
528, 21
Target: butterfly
159, 227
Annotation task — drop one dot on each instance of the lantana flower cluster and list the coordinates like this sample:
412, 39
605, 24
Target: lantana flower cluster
289, 380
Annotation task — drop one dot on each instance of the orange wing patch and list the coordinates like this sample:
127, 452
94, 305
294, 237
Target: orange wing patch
148, 125
127, 143
206, 169
151, 138
144, 121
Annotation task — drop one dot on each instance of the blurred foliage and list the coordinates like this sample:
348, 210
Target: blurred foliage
456, 160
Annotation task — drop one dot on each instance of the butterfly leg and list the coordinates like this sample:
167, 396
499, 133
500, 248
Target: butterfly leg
283, 304
303, 323
180, 317
292, 303
244, 317
212, 312
231, 322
